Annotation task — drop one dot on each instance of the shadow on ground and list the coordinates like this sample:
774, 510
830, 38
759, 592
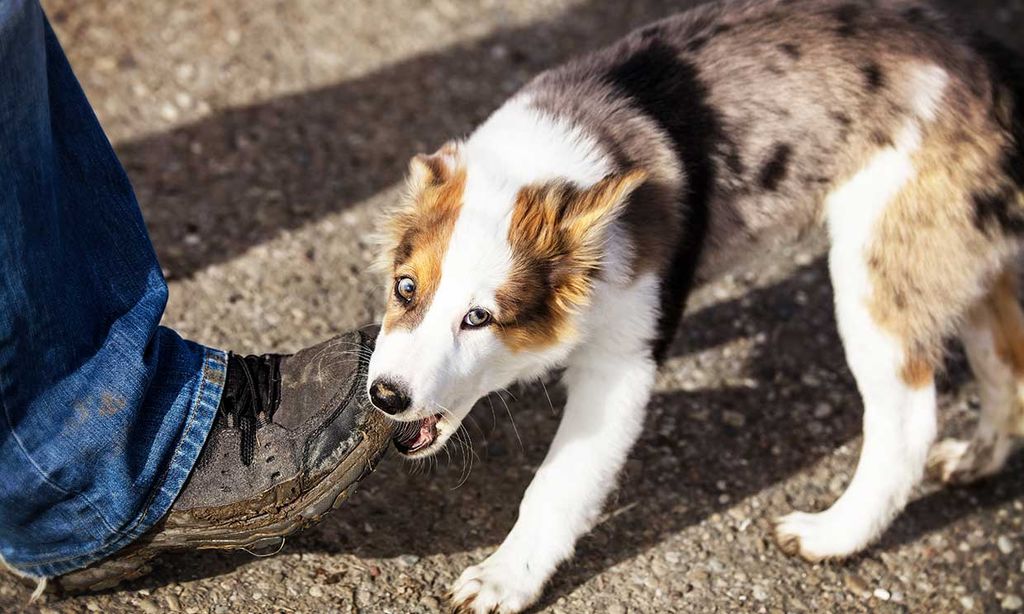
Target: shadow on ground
676, 475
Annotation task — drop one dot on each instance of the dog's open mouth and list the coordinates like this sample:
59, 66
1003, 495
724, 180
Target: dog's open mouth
417, 435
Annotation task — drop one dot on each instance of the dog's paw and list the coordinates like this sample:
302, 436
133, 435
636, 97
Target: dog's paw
948, 462
493, 586
813, 537
954, 461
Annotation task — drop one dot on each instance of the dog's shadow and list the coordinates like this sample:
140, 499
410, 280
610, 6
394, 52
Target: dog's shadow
733, 440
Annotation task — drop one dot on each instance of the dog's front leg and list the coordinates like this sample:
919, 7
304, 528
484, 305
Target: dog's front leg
608, 392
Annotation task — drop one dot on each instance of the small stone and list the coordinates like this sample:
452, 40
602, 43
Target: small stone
185, 72
172, 603
1004, 544
92, 606
733, 418
616, 609
823, 410
430, 603
882, 594
857, 585
408, 560
1012, 603
169, 112
967, 602
760, 594
316, 592
149, 607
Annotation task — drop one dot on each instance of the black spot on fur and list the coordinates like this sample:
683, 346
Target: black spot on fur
791, 50
721, 28
403, 251
696, 44
881, 138
669, 90
845, 124
997, 208
847, 16
874, 76
735, 163
915, 15
1001, 202
776, 168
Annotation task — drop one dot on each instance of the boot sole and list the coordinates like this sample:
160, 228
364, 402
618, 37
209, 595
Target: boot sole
265, 529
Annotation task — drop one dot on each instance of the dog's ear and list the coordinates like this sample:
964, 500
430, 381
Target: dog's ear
554, 217
585, 215
558, 232
434, 169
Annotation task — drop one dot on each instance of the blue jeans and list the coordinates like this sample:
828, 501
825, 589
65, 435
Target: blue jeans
104, 412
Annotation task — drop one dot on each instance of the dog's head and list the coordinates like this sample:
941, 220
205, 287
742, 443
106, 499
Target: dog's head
486, 283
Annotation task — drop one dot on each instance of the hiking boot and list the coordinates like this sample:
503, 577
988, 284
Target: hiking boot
293, 437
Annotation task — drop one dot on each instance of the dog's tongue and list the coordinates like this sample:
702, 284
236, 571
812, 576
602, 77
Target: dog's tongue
412, 436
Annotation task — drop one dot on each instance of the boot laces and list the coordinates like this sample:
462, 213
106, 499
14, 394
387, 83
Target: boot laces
252, 392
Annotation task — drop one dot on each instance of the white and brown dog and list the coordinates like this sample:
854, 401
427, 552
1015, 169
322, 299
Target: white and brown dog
569, 228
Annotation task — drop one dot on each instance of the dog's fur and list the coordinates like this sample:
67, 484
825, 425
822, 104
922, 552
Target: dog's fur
582, 213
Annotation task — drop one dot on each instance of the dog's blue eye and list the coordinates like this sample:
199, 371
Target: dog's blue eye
476, 318
405, 289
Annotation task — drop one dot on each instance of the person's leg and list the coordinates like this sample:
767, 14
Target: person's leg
102, 411
119, 439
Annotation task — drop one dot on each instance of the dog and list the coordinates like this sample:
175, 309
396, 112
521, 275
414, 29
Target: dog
569, 228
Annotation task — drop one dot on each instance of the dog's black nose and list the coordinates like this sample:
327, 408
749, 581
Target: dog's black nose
388, 396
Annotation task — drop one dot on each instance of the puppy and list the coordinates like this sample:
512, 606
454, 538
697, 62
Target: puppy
569, 228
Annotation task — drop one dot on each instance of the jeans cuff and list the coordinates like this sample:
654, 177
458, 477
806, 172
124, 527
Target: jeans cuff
200, 419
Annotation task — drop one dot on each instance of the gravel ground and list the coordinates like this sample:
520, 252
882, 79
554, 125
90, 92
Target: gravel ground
263, 135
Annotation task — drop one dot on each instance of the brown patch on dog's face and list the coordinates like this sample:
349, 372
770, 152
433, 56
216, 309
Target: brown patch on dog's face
557, 240
422, 231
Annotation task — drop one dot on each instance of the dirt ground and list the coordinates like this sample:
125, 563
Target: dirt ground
263, 136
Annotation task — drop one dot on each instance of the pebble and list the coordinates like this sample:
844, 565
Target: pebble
733, 418
1012, 603
967, 602
316, 591
616, 609
408, 560
169, 112
760, 594
430, 603
823, 410
172, 603
882, 594
857, 585
1004, 544
149, 607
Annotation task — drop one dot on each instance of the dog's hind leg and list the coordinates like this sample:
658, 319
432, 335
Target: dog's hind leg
993, 338
875, 285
